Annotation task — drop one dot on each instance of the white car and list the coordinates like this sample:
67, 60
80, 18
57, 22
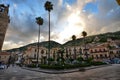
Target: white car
2, 66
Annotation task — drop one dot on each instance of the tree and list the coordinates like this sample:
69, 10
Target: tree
80, 51
39, 21
66, 53
61, 56
48, 7
74, 38
84, 34
42, 52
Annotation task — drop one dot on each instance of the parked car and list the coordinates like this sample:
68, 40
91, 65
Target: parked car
2, 66
107, 61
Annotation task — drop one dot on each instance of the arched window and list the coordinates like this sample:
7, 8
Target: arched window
35, 50
91, 51
42, 51
92, 56
106, 56
111, 52
97, 57
100, 50
69, 50
104, 50
95, 50
34, 55
1, 9
101, 56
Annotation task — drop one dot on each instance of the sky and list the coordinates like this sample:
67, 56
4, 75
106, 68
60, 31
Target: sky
68, 17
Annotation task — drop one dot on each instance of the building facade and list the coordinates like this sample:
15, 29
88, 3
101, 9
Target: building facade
4, 56
99, 52
4, 20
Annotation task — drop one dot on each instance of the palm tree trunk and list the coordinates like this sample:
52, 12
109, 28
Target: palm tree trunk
85, 46
85, 50
49, 37
74, 51
38, 44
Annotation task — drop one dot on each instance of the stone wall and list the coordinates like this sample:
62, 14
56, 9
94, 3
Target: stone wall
4, 20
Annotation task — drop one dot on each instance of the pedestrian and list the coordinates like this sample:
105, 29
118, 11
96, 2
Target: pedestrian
8, 65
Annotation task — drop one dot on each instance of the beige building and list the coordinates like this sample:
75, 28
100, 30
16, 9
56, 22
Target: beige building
99, 52
115, 52
115, 48
4, 56
71, 51
4, 20
30, 55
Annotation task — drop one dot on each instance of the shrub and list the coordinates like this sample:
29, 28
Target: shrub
57, 67
96, 63
65, 66
31, 65
85, 64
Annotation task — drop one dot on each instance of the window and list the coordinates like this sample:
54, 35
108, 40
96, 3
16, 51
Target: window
117, 52
101, 56
34, 55
105, 55
97, 56
100, 50
95, 50
5, 57
104, 50
92, 56
35, 50
91, 51
111, 52
1, 9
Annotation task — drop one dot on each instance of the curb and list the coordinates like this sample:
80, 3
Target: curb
66, 71
51, 72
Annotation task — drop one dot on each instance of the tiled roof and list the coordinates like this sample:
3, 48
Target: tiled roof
4, 53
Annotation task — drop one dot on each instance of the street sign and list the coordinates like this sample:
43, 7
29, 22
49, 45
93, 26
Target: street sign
118, 1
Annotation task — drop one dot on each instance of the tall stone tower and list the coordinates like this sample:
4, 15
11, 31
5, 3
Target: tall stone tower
4, 20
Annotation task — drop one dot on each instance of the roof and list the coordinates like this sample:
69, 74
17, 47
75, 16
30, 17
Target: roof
4, 53
100, 46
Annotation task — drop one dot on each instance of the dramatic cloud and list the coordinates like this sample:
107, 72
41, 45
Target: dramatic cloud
68, 17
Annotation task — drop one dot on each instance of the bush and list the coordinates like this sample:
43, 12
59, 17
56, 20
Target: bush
57, 67
65, 66
85, 64
96, 63
31, 65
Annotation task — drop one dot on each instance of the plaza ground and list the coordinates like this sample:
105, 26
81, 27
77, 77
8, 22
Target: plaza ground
103, 73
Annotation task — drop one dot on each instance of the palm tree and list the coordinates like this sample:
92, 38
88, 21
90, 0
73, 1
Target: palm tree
48, 7
84, 34
42, 57
74, 38
39, 21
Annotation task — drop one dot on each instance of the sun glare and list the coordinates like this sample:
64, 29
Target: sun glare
73, 27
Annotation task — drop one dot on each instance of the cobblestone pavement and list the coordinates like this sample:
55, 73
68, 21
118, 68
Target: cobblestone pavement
104, 73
